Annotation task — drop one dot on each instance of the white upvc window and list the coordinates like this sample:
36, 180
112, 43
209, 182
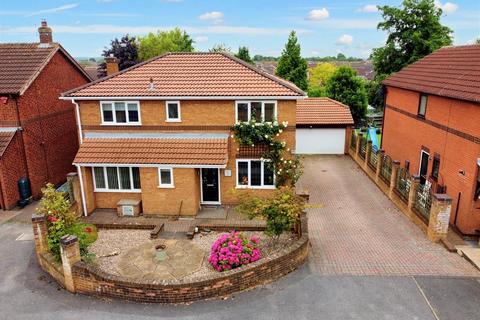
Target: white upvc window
255, 173
172, 111
261, 111
165, 177
120, 112
116, 179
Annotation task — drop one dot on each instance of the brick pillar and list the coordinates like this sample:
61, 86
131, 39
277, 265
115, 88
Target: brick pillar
70, 253
411, 194
393, 177
39, 223
357, 147
367, 153
439, 217
380, 155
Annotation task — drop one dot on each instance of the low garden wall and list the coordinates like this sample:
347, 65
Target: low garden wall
88, 279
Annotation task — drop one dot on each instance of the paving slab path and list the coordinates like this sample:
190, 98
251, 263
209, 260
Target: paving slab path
356, 230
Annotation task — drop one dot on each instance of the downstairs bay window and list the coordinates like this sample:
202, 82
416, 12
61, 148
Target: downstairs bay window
255, 174
116, 179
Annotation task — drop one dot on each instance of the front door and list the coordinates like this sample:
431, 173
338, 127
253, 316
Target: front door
210, 185
423, 167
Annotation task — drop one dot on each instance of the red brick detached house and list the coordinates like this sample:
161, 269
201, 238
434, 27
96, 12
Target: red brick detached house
38, 136
432, 125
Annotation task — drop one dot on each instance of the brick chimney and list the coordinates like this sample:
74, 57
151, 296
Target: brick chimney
45, 33
112, 64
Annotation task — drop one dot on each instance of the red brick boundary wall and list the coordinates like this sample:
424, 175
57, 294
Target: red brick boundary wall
86, 278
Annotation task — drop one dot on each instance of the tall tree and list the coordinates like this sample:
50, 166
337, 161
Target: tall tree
125, 50
155, 44
221, 47
244, 54
345, 86
291, 65
414, 31
318, 77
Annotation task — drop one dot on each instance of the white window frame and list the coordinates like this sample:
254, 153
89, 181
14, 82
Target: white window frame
168, 119
107, 189
114, 122
165, 185
249, 186
249, 111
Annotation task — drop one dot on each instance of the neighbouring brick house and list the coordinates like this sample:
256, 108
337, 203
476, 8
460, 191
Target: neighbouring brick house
38, 137
432, 125
157, 135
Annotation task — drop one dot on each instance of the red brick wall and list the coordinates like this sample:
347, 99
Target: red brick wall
8, 113
404, 136
12, 168
50, 133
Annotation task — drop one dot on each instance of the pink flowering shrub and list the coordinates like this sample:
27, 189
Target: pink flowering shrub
232, 250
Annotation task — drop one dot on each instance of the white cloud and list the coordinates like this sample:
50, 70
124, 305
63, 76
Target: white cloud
447, 8
368, 8
318, 14
200, 39
345, 40
215, 16
53, 10
119, 29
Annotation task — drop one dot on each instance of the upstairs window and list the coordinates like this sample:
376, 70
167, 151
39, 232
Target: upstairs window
261, 111
173, 111
422, 106
120, 112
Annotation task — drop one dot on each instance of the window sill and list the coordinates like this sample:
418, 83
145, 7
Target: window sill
166, 187
121, 124
420, 116
256, 187
173, 120
116, 191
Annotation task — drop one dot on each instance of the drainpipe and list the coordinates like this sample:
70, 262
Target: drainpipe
82, 190
79, 123
19, 123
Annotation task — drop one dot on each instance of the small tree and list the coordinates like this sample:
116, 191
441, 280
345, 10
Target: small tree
125, 50
54, 204
155, 44
346, 87
244, 54
221, 47
281, 211
291, 65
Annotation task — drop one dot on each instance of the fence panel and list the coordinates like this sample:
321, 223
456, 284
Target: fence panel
372, 162
363, 147
353, 141
386, 169
423, 200
67, 190
403, 183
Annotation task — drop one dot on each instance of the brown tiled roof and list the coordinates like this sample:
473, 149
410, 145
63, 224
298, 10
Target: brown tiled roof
189, 75
20, 64
322, 111
451, 72
5, 138
172, 151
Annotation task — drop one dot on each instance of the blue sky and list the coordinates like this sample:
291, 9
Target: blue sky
85, 27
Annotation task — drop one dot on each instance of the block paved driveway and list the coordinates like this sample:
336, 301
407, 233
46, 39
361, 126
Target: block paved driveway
356, 230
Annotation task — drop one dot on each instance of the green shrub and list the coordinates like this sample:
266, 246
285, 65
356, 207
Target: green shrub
280, 211
62, 221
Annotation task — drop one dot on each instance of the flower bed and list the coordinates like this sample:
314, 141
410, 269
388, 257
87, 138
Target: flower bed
234, 249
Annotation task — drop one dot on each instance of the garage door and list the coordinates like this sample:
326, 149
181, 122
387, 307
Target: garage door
320, 141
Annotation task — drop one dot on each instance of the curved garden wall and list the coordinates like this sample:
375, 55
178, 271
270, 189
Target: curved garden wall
88, 279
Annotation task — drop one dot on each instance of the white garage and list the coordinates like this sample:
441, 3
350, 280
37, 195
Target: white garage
322, 126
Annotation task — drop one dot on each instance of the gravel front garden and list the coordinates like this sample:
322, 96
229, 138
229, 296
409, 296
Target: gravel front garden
132, 254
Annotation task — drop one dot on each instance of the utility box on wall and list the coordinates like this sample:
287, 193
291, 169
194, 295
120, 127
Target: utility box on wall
129, 208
